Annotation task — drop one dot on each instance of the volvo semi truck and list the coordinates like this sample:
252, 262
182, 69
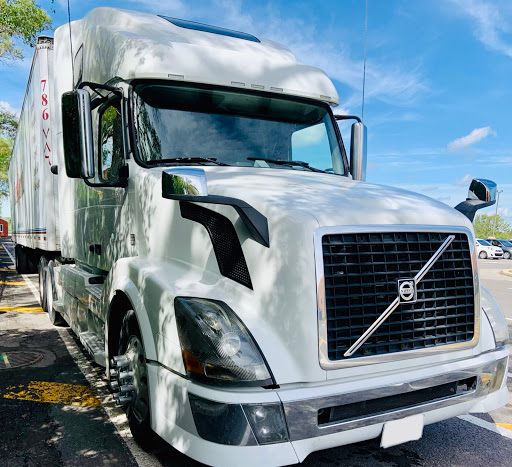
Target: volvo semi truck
186, 197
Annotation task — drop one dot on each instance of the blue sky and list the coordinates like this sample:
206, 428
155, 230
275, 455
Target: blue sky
438, 78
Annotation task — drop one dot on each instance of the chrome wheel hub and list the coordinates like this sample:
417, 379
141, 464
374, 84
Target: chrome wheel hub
129, 379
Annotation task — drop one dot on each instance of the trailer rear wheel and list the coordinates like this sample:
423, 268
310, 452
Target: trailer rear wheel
137, 407
43, 272
55, 317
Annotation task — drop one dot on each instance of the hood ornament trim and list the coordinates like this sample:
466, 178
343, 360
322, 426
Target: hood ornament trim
394, 305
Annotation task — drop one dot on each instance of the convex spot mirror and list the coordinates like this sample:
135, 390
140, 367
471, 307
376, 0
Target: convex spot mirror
481, 194
184, 182
483, 190
77, 134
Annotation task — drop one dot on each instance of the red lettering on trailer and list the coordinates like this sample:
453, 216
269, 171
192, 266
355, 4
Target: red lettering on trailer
45, 116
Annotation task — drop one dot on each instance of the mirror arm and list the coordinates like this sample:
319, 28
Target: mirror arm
348, 117
471, 206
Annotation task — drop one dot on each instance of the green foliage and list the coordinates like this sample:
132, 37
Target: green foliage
20, 20
8, 123
8, 126
492, 226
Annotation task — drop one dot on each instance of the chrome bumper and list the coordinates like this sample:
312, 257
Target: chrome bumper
302, 417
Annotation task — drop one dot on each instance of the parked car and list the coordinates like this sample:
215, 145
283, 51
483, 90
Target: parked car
505, 245
485, 250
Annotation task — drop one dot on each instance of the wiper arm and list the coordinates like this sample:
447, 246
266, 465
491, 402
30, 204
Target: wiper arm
179, 160
285, 162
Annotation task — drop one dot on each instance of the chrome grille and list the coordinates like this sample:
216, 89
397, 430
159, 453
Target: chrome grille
361, 272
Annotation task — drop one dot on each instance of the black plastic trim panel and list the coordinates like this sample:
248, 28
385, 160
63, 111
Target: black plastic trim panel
226, 244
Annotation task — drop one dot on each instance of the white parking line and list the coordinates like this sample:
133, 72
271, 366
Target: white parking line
31, 286
114, 413
9, 253
487, 425
508, 319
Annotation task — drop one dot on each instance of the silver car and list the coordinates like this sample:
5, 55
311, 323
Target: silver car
505, 245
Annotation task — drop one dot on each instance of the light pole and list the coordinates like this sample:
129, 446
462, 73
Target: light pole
496, 215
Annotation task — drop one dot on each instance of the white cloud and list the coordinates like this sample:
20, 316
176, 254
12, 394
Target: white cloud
475, 136
505, 212
491, 22
465, 181
6, 106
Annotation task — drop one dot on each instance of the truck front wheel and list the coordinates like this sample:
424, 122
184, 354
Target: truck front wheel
130, 369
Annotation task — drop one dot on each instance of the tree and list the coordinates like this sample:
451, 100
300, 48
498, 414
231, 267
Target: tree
8, 126
491, 226
20, 20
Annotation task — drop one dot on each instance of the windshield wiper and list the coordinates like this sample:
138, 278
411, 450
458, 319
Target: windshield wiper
179, 160
284, 162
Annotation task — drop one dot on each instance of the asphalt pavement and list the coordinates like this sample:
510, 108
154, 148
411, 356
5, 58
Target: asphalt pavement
56, 410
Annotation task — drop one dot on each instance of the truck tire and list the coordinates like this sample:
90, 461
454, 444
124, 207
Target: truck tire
43, 272
482, 255
21, 259
51, 296
138, 410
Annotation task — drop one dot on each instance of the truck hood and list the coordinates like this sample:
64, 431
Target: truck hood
330, 199
280, 308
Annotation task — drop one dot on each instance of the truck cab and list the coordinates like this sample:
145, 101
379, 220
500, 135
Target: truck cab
251, 297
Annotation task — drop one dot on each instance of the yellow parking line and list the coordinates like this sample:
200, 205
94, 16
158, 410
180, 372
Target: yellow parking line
54, 393
12, 283
508, 426
22, 309
7, 270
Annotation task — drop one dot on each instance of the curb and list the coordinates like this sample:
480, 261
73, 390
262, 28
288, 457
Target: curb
507, 273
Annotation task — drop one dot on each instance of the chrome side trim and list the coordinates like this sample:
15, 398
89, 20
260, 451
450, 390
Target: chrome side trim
302, 416
327, 364
394, 305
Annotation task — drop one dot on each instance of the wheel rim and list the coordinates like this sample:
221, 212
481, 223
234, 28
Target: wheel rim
135, 353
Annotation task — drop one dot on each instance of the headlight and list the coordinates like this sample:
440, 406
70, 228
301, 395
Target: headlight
216, 346
495, 316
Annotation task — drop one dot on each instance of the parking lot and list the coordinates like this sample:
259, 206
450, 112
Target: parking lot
55, 408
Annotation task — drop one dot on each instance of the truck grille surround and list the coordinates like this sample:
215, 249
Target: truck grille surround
361, 273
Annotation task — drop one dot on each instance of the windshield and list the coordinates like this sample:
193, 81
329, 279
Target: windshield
484, 242
505, 243
233, 128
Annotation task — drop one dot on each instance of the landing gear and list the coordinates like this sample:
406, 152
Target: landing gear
51, 295
129, 380
43, 272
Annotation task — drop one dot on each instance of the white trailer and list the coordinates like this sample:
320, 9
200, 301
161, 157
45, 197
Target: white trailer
34, 196
252, 299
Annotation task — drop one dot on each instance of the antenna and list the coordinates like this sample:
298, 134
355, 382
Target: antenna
364, 65
71, 48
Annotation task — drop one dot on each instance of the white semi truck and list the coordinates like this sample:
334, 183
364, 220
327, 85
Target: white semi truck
185, 194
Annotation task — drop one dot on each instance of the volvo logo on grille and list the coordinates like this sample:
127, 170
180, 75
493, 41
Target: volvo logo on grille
407, 290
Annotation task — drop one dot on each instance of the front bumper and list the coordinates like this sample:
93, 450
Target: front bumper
172, 416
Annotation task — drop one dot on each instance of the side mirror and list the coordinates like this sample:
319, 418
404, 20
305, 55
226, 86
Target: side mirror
358, 151
357, 147
481, 194
77, 134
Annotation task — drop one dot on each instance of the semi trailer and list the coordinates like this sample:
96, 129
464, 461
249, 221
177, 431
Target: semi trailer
185, 195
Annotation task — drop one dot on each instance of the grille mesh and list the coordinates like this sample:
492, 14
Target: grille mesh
361, 273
